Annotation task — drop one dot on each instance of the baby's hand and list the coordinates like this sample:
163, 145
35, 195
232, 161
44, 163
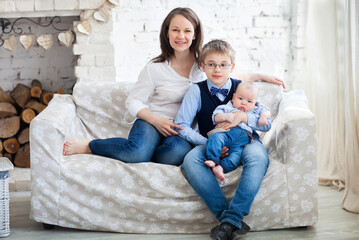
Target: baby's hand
263, 120
229, 117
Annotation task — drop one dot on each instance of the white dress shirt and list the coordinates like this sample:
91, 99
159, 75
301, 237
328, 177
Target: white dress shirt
161, 89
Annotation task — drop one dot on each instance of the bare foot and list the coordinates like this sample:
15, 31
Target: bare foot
210, 163
218, 172
76, 147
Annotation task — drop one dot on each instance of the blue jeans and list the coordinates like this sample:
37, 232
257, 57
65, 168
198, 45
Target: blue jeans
255, 163
144, 144
235, 140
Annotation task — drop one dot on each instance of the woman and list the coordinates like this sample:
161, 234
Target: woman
157, 97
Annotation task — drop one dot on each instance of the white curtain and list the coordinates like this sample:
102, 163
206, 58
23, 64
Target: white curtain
331, 78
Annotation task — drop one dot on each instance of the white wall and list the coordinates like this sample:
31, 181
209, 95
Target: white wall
261, 32
268, 36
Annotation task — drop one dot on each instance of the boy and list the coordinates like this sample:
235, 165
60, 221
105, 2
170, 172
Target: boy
244, 99
217, 60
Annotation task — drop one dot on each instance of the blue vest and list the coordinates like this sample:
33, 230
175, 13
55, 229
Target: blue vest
209, 103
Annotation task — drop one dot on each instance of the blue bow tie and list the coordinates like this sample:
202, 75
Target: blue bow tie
215, 90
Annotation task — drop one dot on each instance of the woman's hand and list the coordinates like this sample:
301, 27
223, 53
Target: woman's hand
163, 125
271, 79
166, 127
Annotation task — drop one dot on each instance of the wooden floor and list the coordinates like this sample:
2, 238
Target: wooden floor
334, 223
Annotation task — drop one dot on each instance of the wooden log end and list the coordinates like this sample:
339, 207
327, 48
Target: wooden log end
36, 92
11, 145
4, 97
46, 97
60, 91
9, 126
21, 94
27, 115
24, 136
7, 110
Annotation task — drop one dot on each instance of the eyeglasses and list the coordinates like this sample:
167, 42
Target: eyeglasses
221, 66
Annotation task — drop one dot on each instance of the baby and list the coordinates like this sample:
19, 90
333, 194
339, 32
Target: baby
244, 99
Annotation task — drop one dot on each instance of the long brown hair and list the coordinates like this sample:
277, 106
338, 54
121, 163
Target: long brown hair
166, 50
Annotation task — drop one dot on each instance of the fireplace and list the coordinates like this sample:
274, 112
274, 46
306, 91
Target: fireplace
58, 67
90, 57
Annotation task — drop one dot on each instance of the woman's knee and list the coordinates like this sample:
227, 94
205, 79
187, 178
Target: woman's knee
172, 151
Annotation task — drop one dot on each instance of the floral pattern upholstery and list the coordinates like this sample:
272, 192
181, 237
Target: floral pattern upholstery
97, 193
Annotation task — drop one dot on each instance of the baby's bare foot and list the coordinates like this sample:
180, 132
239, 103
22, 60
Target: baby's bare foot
218, 172
76, 147
210, 163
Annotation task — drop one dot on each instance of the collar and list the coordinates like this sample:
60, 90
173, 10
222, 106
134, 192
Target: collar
227, 85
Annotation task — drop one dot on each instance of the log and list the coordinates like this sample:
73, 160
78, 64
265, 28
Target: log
27, 115
1, 147
8, 156
46, 97
4, 97
21, 94
7, 110
33, 104
24, 136
36, 88
60, 91
22, 157
11, 145
9, 126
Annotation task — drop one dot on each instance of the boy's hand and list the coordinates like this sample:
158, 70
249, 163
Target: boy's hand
222, 117
224, 152
238, 118
226, 125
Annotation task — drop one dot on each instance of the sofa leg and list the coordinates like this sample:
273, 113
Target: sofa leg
48, 226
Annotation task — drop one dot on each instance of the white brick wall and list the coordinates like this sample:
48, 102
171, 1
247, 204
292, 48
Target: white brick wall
260, 31
267, 35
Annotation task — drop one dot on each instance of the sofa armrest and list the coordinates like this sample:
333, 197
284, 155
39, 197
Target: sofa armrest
292, 139
49, 130
292, 142
59, 114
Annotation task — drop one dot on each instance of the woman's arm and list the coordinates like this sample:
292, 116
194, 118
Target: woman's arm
163, 125
251, 77
136, 104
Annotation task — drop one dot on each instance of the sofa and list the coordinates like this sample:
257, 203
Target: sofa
97, 193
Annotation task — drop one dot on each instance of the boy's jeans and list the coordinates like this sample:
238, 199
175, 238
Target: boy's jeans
255, 163
143, 144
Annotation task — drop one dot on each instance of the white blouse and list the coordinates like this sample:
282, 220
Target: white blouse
161, 89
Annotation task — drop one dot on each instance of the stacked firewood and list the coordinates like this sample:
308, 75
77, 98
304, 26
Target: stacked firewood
17, 110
